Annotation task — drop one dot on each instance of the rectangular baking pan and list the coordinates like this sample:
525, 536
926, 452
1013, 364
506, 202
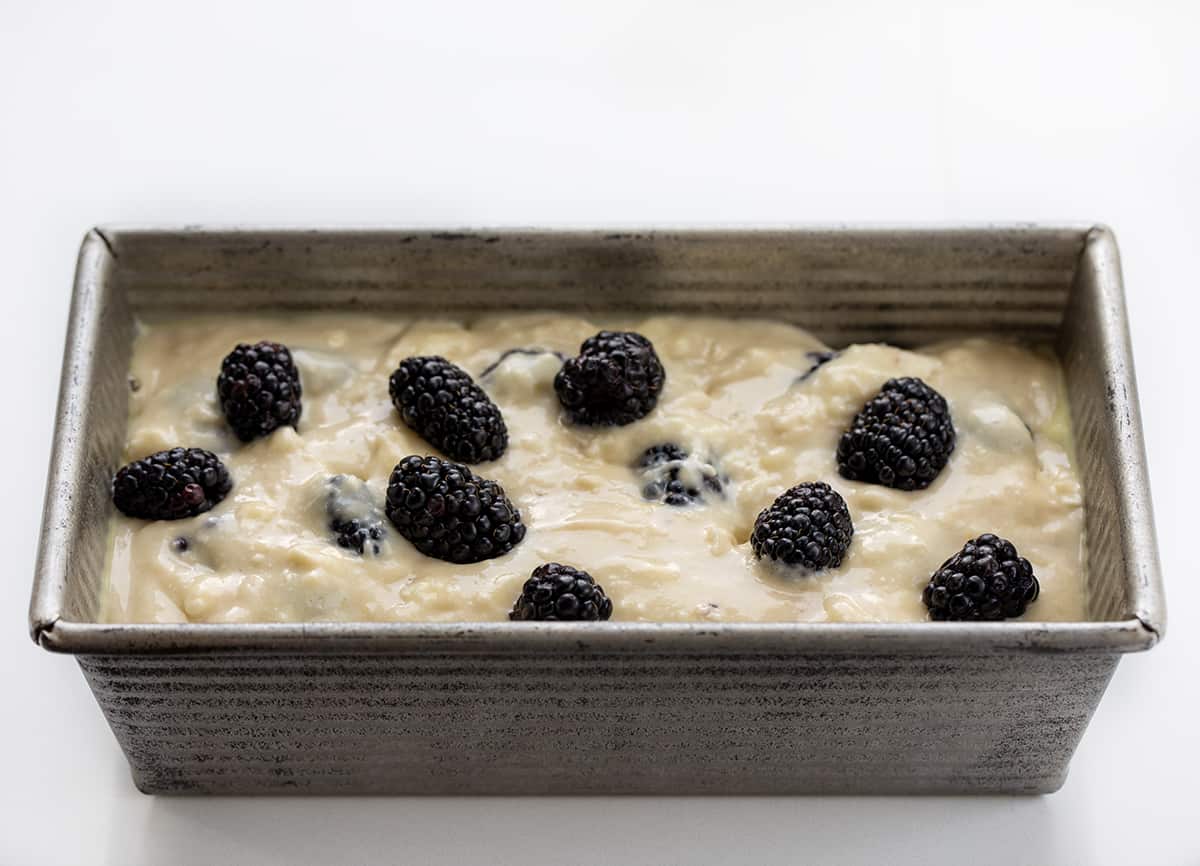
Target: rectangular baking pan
611, 707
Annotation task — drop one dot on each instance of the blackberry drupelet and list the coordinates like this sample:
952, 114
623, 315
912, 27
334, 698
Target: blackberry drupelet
259, 389
445, 407
170, 485
615, 380
354, 518
986, 580
559, 592
666, 476
449, 513
808, 525
902, 437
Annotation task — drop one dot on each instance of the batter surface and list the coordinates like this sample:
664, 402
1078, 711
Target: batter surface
742, 397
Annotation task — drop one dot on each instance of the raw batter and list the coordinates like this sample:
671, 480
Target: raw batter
737, 396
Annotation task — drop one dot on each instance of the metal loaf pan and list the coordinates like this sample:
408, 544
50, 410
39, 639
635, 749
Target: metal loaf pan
611, 707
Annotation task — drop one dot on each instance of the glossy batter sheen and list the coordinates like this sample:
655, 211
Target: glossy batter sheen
732, 395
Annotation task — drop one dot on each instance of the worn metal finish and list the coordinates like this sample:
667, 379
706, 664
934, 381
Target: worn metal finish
609, 707
641, 722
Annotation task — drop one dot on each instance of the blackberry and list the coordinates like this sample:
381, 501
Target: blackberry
808, 525
667, 475
986, 580
170, 485
559, 592
902, 437
354, 519
259, 389
445, 407
615, 380
530, 352
449, 513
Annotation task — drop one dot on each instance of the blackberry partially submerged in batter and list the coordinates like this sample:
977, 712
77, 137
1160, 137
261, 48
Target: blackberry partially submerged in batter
171, 485
532, 352
449, 513
986, 580
259, 389
817, 361
557, 592
902, 437
807, 526
615, 380
441, 402
667, 474
354, 518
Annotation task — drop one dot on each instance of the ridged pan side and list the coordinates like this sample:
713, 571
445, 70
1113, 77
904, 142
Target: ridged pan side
586, 723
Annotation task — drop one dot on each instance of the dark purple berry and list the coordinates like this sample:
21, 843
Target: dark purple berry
660, 471
354, 518
259, 389
807, 526
986, 580
558, 592
902, 437
449, 513
170, 485
445, 407
615, 380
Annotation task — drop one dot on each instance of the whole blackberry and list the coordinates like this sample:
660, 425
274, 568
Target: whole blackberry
449, 513
355, 520
901, 438
259, 389
667, 476
445, 407
986, 580
170, 485
615, 380
808, 525
559, 592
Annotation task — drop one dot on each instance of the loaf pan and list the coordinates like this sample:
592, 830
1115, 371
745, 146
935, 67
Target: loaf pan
608, 707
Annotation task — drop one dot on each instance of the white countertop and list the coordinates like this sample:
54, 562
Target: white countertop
611, 113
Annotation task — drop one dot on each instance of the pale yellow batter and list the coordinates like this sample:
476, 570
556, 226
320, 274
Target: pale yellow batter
265, 553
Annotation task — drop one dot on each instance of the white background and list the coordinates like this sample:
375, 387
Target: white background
610, 113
